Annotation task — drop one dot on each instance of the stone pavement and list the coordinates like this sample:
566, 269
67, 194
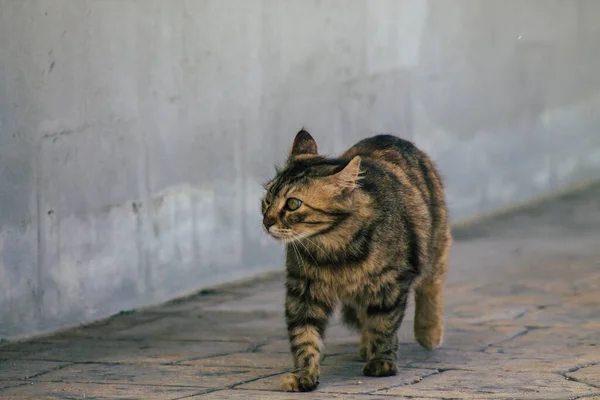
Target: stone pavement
522, 321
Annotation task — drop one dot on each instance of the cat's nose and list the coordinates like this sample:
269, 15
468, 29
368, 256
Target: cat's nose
268, 221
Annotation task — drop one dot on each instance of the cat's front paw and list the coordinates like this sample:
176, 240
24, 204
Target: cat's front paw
299, 382
379, 367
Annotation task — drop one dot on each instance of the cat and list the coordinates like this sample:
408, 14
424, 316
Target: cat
360, 230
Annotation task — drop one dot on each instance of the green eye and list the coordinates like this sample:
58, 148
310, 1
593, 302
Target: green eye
293, 204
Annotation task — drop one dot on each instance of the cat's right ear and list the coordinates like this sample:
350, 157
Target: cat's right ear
304, 145
347, 179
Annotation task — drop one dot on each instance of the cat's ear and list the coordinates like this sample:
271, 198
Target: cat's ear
304, 144
348, 178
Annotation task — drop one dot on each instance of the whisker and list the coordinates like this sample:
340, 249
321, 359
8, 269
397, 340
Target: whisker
298, 254
290, 237
318, 247
300, 259
306, 248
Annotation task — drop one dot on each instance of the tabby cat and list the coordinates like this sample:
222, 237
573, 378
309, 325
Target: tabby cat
362, 230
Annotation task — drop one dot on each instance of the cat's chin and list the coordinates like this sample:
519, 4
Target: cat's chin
282, 238
288, 240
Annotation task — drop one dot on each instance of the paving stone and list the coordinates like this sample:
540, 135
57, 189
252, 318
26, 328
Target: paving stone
270, 300
192, 304
26, 369
568, 314
149, 374
280, 346
492, 384
341, 383
506, 289
480, 315
343, 375
248, 360
110, 326
590, 375
130, 351
10, 384
225, 326
63, 390
591, 326
181, 308
560, 364
473, 338
23, 350
550, 345
332, 345
260, 395
264, 293
444, 358
267, 282
529, 360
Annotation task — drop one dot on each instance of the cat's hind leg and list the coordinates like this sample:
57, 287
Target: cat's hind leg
383, 317
429, 307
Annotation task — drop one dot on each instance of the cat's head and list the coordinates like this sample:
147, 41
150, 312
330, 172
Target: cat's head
311, 194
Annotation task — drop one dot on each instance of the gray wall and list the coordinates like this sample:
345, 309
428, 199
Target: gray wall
134, 134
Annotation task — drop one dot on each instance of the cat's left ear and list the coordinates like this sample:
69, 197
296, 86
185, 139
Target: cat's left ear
347, 179
304, 144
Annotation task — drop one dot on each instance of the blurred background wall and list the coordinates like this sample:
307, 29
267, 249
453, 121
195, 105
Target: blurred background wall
134, 134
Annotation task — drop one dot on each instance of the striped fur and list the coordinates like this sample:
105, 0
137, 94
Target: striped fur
372, 225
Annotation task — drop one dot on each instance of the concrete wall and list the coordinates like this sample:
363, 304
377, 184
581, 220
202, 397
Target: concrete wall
134, 133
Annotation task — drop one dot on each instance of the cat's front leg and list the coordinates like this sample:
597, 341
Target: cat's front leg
380, 333
306, 320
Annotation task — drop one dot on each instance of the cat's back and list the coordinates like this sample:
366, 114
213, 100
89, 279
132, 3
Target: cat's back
402, 158
387, 148
420, 191
374, 145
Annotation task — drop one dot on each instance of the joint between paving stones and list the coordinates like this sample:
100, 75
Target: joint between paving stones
565, 374
256, 379
434, 372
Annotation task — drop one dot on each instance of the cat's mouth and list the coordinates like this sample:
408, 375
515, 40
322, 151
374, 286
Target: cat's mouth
287, 235
290, 235
281, 233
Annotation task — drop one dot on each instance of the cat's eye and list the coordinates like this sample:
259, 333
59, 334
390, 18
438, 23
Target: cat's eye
293, 204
